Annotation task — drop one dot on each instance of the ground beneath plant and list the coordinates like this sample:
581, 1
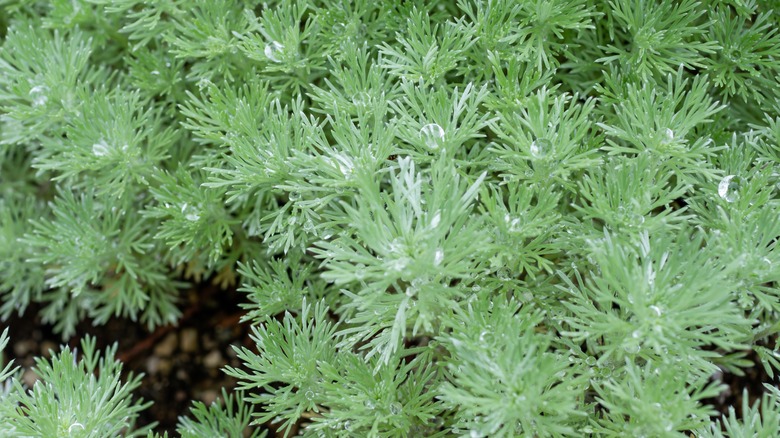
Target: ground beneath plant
183, 363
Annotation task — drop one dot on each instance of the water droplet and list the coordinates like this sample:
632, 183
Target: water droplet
309, 226
38, 94
540, 147
100, 148
438, 257
432, 134
155, 72
436, 220
483, 336
292, 220
309, 395
204, 83
476, 288
514, 225
728, 188
369, 404
636, 219
360, 274
631, 348
399, 264
273, 51
346, 166
475, 434
396, 408
590, 361
656, 309
192, 217
668, 135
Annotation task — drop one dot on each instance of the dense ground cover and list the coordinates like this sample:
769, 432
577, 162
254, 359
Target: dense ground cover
478, 218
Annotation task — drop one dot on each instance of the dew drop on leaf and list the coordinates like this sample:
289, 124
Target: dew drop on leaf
100, 148
438, 257
668, 135
395, 408
38, 95
631, 348
432, 134
436, 220
309, 395
399, 264
540, 148
309, 226
273, 51
728, 188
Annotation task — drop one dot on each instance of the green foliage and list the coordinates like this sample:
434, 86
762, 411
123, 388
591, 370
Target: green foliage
504, 380
82, 398
657, 402
469, 217
303, 372
650, 37
229, 417
761, 419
